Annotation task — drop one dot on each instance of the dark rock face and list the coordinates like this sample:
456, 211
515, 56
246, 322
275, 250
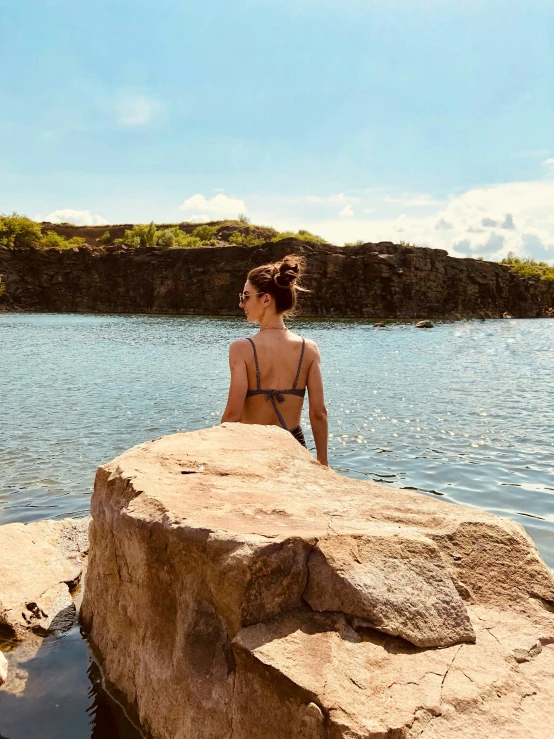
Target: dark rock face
373, 280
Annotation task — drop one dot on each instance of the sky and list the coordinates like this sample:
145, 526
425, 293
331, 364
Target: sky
424, 121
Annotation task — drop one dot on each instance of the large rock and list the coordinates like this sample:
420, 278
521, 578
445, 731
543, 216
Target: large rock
238, 589
40, 565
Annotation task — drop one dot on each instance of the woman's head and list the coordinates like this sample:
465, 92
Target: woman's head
272, 288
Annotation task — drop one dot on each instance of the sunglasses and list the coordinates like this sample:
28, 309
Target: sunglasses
243, 297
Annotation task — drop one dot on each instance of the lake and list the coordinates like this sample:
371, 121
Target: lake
463, 411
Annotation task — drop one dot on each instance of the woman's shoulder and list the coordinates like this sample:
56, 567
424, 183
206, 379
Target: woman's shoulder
310, 346
239, 346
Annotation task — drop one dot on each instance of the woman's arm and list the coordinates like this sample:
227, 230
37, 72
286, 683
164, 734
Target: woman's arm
318, 411
239, 384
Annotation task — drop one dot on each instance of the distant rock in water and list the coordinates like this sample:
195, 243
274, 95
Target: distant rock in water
237, 588
379, 324
425, 324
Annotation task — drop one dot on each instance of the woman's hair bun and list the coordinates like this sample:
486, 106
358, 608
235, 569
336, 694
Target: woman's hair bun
288, 271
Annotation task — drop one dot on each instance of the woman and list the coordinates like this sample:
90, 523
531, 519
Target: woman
271, 371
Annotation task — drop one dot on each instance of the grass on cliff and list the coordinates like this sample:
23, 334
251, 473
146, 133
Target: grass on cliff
17, 232
2, 287
528, 267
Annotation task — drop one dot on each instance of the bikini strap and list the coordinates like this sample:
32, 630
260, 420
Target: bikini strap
299, 365
258, 377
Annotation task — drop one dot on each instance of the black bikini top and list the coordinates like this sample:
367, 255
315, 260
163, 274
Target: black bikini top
277, 396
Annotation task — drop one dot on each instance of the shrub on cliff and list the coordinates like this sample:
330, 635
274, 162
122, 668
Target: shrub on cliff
52, 240
104, 239
205, 233
237, 238
18, 232
142, 234
2, 287
174, 238
527, 266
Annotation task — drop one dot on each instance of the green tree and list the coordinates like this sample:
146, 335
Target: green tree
18, 232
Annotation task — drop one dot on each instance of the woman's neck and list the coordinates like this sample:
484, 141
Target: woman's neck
275, 321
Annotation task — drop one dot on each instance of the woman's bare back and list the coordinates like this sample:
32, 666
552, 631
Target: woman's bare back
283, 358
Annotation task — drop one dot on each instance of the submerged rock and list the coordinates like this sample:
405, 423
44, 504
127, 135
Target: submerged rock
40, 564
237, 588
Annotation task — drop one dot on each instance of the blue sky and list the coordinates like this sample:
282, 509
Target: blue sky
423, 120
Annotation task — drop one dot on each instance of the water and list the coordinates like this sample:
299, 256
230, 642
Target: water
462, 411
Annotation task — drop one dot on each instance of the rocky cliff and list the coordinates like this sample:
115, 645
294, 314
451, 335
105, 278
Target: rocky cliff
374, 280
239, 590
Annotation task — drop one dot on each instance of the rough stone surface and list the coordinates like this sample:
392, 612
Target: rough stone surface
3, 669
397, 582
372, 280
40, 563
207, 550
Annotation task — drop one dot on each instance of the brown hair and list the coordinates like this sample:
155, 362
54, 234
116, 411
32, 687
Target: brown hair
279, 280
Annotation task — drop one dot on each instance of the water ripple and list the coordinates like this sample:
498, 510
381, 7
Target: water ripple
462, 411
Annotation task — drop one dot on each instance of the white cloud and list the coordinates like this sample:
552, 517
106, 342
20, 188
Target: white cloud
530, 154
77, 217
219, 205
137, 110
347, 211
488, 221
549, 163
338, 199
413, 200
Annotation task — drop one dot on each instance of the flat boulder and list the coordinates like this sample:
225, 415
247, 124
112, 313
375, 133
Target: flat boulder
40, 565
236, 588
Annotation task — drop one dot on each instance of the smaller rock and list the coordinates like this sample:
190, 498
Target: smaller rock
40, 563
398, 584
379, 324
3, 669
425, 324
507, 315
